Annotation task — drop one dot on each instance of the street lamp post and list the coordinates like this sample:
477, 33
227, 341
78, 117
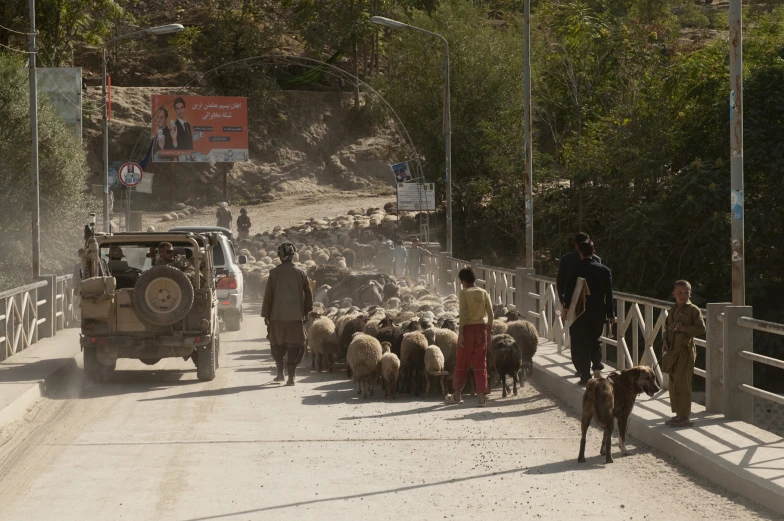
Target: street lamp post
394, 24
736, 154
162, 29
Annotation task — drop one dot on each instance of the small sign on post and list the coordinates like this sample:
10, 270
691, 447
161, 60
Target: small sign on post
130, 174
416, 196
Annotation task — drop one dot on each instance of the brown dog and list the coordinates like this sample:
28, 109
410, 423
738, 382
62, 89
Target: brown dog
614, 397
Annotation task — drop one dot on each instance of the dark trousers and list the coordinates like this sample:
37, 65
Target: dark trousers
293, 355
586, 346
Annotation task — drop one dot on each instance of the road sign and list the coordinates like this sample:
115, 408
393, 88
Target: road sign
416, 196
145, 185
130, 174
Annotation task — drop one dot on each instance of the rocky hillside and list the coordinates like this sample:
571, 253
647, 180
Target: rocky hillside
313, 140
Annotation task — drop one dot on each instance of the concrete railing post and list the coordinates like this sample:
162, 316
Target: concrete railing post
48, 310
738, 405
714, 358
444, 282
522, 301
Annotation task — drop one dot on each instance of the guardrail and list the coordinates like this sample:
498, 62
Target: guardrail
728, 346
35, 311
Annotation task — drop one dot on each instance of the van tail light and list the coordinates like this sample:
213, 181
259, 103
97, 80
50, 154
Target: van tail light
228, 282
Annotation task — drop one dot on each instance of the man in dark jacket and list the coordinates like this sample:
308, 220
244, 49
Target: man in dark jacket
586, 330
287, 301
569, 263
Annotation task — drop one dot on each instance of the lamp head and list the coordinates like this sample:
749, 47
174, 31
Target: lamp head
388, 22
165, 29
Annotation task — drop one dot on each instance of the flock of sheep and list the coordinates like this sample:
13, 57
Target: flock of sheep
394, 331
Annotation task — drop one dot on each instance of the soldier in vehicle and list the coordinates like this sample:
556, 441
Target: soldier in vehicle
167, 257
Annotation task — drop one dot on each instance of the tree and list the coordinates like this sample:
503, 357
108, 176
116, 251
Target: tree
63, 177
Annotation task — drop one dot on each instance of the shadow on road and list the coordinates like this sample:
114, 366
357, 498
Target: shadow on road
215, 392
358, 496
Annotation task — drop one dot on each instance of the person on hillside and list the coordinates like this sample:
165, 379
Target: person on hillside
287, 301
415, 254
684, 322
401, 256
586, 330
224, 216
474, 334
243, 224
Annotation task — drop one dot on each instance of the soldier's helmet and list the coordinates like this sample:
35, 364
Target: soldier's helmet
243, 211
116, 253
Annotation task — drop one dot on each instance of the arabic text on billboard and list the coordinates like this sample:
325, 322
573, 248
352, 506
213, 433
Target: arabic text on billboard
203, 129
416, 196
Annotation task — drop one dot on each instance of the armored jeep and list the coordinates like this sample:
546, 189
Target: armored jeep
135, 307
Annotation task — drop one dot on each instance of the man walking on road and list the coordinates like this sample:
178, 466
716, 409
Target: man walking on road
287, 302
587, 328
415, 254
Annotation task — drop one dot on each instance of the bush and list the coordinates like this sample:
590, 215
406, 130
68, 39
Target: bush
62, 177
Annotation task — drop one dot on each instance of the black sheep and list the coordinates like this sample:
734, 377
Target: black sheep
504, 356
354, 325
393, 335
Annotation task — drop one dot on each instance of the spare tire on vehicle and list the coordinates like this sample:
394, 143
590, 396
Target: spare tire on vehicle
162, 296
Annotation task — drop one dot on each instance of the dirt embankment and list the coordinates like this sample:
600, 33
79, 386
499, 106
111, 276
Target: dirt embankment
313, 140
283, 212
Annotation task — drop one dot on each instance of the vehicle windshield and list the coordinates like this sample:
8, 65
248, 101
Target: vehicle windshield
140, 256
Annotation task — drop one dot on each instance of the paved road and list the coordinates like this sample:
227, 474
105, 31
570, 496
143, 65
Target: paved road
156, 444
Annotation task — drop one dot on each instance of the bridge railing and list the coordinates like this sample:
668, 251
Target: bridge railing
727, 348
33, 312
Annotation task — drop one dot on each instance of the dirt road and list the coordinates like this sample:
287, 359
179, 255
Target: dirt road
284, 212
156, 444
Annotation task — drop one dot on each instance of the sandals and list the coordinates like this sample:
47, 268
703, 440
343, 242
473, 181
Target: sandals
450, 400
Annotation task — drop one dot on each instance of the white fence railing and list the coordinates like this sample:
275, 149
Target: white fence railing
35, 311
727, 348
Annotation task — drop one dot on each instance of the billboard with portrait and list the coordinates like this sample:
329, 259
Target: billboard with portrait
202, 129
402, 172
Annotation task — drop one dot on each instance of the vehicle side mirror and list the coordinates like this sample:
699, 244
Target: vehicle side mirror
242, 259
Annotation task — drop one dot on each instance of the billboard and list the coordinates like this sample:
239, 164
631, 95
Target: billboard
402, 172
416, 196
202, 129
63, 87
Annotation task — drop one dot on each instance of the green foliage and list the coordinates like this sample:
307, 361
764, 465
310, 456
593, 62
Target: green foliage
63, 176
62, 25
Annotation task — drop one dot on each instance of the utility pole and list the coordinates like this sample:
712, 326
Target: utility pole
736, 154
448, 147
528, 150
34, 161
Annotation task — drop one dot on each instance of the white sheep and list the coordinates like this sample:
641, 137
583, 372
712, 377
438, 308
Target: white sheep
323, 343
434, 366
364, 358
389, 370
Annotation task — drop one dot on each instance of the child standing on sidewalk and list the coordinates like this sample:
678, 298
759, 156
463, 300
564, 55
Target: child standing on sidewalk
684, 322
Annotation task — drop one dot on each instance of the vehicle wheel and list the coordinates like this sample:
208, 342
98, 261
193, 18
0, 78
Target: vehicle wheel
162, 296
95, 370
233, 321
149, 361
207, 361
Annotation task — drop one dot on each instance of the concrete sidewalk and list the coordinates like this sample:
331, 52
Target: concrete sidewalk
733, 454
24, 376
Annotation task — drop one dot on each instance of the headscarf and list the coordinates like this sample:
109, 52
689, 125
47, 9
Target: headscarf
224, 205
286, 251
